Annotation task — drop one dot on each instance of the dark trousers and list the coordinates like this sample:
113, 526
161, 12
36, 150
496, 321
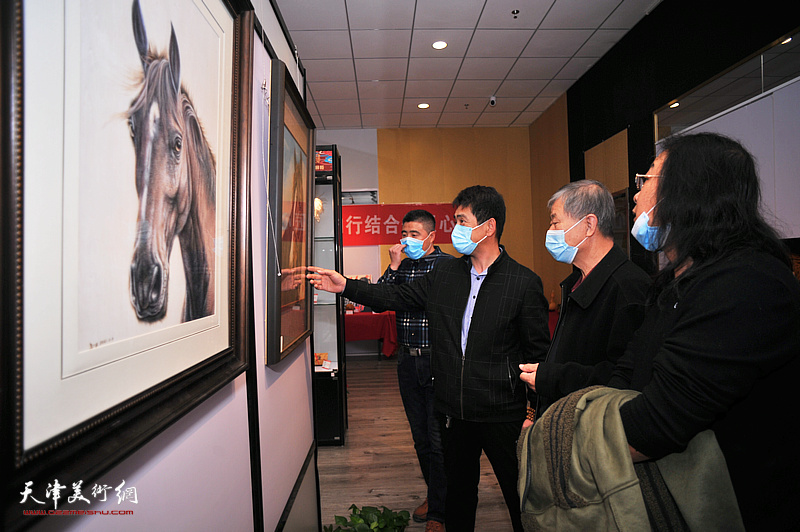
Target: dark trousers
416, 389
463, 443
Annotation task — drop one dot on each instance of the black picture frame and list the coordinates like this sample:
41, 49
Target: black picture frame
289, 309
92, 447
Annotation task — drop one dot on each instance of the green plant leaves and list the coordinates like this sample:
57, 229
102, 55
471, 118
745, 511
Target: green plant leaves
370, 518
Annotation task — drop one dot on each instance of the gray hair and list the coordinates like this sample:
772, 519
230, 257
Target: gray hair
587, 197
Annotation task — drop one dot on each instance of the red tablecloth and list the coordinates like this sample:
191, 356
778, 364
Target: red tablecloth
372, 326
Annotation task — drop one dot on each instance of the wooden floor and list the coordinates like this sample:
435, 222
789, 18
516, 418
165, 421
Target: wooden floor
378, 466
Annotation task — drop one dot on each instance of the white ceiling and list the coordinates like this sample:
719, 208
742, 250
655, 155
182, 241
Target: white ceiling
370, 62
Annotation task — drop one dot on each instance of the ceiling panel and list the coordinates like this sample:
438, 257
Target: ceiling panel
500, 14
458, 119
485, 68
435, 88
496, 119
465, 105
381, 121
370, 62
518, 88
380, 14
433, 68
537, 67
383, 106
338, 106
556, 43
388, 69
327, 44
475, 87
498, 43
334, 90
314, 14
442, 14
380, 43
578, 14
380, 89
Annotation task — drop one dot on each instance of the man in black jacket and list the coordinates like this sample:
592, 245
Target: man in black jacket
487, 315
602, 301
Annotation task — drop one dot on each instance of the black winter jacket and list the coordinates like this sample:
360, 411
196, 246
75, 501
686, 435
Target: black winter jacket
596, 322
509, 327
723, 352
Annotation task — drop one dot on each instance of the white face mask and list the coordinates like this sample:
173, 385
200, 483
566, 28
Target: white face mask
414, 248
644, 233
462, 238
557, 245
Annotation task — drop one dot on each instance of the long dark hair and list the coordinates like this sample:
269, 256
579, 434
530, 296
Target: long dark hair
709, 197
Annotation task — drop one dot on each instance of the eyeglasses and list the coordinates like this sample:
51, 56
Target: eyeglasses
641, 178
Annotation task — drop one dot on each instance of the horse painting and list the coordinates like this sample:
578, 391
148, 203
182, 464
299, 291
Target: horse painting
175, 182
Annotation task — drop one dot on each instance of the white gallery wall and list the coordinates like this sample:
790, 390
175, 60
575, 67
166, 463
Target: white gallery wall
196, 475
285, 411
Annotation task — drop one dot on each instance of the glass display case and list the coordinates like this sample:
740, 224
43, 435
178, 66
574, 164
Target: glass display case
329, 382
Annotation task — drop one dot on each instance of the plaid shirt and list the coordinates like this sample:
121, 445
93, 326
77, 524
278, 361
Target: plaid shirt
412, 326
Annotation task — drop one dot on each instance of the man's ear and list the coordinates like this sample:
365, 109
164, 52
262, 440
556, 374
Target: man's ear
432, 236
491, 227
591, 223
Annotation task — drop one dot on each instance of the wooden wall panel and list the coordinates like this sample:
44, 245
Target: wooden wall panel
433, 165
549, 163
608, 162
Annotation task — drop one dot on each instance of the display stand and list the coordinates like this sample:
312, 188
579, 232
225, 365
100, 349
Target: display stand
329, 382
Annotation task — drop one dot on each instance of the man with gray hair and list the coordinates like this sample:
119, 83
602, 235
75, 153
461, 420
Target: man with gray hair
602, 301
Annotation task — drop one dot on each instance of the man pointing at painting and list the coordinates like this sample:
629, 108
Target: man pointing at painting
487, 314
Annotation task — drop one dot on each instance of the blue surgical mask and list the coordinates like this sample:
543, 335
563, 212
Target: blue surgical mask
414, 249
645, 234
462, 238
558, 247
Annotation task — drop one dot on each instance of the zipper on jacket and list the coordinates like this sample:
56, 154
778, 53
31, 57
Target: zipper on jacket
461, 387
561, 314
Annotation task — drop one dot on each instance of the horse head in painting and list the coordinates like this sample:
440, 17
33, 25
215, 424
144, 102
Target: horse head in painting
175, 182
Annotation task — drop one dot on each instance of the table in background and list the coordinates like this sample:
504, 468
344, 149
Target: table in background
372, 326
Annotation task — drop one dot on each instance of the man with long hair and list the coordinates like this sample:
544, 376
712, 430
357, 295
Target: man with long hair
719, 347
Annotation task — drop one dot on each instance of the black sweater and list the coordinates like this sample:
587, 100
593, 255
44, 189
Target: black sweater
509, 327
723, 352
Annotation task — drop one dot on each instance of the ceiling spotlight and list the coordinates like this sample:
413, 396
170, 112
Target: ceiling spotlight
439, 45
787, 41
514, 13
423, 105
674, 105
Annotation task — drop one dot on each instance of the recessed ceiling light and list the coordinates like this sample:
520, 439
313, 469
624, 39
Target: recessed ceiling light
674, 105
423, 105
439, 45
787, 41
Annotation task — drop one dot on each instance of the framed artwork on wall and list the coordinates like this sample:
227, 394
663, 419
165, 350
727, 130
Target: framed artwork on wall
291, 174
125, 246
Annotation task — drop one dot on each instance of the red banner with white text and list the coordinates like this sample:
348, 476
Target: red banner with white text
371, 225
